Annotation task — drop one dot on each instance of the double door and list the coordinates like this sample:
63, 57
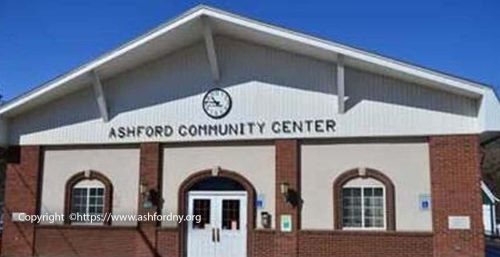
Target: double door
222, 230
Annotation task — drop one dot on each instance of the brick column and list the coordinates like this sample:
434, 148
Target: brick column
149, 174
456, 191
149, 181
21, 195
287, 171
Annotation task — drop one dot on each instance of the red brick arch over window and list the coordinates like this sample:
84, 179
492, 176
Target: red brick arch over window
202, 175
88, 175
345, 177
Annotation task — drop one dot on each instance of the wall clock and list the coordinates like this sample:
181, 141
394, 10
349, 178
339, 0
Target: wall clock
217, 103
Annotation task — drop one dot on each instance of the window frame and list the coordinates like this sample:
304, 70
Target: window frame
384, 208
390, 202
88, 188
73, 182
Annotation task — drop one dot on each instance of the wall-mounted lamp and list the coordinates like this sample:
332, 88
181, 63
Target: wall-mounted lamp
143, 188
284, 187
146, 196
286, 192
150, 196
291, 196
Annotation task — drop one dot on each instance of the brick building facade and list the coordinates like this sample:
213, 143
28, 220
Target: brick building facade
307, 156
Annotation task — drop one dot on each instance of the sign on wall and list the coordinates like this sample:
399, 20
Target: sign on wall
459, 222
286, 223
261, 201
424, 202
216, 104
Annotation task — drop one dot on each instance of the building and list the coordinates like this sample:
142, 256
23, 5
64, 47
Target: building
285, 144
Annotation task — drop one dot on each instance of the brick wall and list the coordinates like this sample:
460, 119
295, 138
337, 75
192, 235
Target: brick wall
104, 241
149, 178
287, 171
90, 241
455, 190
150, 173
169, 242
365, 244
21, 195
262, 243
346, 244
455, 178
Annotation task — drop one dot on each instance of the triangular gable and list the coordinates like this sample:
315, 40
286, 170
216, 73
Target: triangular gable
186, 28
476, 105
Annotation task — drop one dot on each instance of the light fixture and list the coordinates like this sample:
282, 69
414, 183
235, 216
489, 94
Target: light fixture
290, 195
146, 196
143, 188
284, 187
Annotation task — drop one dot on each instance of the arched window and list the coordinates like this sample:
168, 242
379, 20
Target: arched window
364, 199
88, 198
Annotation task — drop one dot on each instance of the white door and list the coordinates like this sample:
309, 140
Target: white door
223, 230
201, 236
232, 226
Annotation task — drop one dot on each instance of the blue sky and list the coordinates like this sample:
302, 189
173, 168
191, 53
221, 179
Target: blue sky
43, 39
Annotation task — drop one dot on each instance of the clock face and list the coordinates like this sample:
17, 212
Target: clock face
217, 103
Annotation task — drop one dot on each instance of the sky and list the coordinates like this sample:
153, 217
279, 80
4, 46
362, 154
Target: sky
40, 40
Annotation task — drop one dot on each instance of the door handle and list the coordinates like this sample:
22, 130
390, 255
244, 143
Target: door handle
213, 234
218, 234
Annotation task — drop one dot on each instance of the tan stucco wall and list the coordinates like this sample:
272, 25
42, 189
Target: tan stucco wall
254, 162
406, 164
120, 165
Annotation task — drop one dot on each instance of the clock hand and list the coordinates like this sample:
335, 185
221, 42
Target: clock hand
212, 102
217, 103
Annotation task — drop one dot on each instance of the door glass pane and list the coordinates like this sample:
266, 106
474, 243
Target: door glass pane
231, 214
201, 207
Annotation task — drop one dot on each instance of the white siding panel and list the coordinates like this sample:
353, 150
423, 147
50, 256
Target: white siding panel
265, 84
182, 161
65, 121
489, 114
60, 164
406, 164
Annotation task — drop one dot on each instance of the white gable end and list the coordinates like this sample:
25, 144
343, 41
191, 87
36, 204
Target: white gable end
273, 75
291, 95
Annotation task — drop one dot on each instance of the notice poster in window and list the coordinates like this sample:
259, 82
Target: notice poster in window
234, 225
